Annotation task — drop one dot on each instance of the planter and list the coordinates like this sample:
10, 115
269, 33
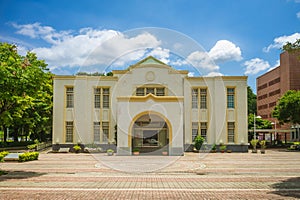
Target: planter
229, 151
222, 151
262, 151
213, 151
136, 153
254, 151
165, 153
110, 153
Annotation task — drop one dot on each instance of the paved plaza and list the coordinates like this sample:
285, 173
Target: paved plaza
274, 175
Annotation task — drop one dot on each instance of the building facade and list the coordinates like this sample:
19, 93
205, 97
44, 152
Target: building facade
152, 107
275, 83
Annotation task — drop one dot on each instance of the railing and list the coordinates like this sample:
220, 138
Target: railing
43, 145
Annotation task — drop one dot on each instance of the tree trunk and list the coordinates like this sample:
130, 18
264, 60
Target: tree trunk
4, 134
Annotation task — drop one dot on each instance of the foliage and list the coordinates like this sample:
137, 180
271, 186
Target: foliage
198, 142
223, 147
94, 74
31, 146
292, 47
254, 143
136, 149
110, 151
259, 123
15, 144
214, 147
2, 155
288, 108
77, 148
28, 156
251, 101
263, 144
25, 94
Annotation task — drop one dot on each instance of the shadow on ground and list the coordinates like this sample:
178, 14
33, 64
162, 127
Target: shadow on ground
288, 188
8, 175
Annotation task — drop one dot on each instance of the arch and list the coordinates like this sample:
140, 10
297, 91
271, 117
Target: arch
145, 113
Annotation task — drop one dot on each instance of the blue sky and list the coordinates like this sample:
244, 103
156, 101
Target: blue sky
208, 37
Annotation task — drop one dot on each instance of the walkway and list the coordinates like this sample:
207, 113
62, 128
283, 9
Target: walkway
274, 175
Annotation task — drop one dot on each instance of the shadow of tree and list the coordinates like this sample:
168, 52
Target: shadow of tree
7, 175
288, 188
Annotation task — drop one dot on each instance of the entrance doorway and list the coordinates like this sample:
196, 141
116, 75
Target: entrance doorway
150, 134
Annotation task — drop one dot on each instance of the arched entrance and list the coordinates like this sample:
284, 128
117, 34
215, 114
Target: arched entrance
150, 133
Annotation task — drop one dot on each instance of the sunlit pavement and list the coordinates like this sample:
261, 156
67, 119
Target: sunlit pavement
274, 175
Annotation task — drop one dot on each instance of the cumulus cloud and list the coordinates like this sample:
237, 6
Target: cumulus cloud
255, 65
225, 50
212, 74
89, 46
202, 60
282, 40
298, 15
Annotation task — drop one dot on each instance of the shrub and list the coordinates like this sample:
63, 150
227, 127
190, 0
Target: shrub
214, 147
77, 148
198, 142
1, 158
28, 156
4, 153
110, 151
32, 146
223, 147
136, 150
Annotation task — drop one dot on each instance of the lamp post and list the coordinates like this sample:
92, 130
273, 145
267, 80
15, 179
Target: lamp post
275, 133
254, 128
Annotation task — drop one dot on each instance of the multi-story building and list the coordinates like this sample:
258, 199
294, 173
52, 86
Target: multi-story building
275, 83
150, 106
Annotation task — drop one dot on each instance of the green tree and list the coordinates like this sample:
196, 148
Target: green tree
251, 101
25, 91
259, 123
288, 108
292, 47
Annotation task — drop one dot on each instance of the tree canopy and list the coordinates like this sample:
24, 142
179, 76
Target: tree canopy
251, 101
288, 108
292, 47
25, 93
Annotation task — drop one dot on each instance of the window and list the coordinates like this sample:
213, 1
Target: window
194, 130
203, 130
142, 91
150, 90
160, 91
203, 97
194, 98
230, 129
105, 97
69, 131
230, 97
70, 97
101, 94
97, 97
96, 132
105, 129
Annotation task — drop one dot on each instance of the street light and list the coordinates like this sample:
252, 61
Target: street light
275, 133
258, 117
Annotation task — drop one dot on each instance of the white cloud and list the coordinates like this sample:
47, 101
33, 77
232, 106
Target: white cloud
202, 60
90, 46
161, 54
282, 40
256, 65
298, 15
211, 74
225, 50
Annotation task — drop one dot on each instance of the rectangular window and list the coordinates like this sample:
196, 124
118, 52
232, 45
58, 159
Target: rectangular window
140, 91
69, 131
105, 97
230, 129
230, 97
105, 129
194, 130
194, 98
203, 127
160, 91
97, 97
96, 132
203, 97
150, 90
70, 97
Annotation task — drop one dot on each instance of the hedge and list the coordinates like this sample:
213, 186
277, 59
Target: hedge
2, 155
28, 156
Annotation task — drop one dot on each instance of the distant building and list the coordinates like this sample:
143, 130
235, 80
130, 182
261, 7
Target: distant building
152, 107
275, 83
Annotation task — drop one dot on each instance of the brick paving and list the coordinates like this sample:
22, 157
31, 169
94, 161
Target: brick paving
274, 175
